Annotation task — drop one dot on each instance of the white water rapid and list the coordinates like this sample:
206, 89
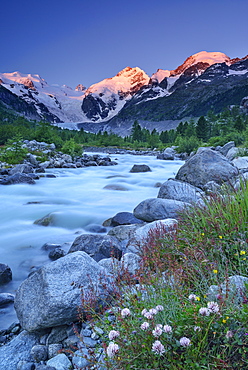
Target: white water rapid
77, 199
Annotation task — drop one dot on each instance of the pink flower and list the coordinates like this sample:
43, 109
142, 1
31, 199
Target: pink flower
213, 307
229, 334
192, 297
125, 312
112, 349
143, 312
157, 331
113, 334
153, 311
148, 316
145, 325
185, 342
159, 308
158, 347
167, 329
204, 311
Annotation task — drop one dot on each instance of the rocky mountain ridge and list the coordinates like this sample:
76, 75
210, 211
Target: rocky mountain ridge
207, 80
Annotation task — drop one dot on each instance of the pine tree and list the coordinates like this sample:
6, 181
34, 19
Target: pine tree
202, 129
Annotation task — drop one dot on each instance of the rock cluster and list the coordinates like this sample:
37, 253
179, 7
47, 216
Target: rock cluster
47, 301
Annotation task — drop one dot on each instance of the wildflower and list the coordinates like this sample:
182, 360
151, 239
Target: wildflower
213, 307
159, 308
242, 253
145, 325
197, 328
202, 234
125, 312
229, 334
220, 237
215, 271
158, 347
143, 312
148, 316
204, 311
185, 342
153, 311
112, 349
224, 321
167, 329
157, 331
113, 334
192, 297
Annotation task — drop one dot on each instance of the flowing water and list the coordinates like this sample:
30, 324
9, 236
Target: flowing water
77, 198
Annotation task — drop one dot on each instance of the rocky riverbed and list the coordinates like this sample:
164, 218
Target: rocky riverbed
47, 301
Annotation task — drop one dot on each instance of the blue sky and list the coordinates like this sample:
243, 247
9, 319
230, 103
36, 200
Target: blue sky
82, 41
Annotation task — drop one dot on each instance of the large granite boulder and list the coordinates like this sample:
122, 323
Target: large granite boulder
51, 295
206, 165
18, 178
21, 168
97, 246
180, 190
153, 209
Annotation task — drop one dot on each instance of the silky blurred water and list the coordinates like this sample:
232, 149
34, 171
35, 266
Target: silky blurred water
77, 198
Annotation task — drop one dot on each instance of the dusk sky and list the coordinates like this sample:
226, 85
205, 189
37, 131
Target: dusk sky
83, 41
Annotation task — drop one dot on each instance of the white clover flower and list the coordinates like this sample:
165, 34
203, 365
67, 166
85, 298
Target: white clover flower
125, 312
159, 308
153, 311
192, 297
167, 329
158, 347
113, 334
204, 311
157, 331
112, 349
197, 328
143, 312
185, 342
145, 325
229, 334
148, 316
213, 307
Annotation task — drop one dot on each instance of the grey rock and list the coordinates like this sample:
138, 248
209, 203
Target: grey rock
51, 296
60, 362
112, 265
53, 349
39, 353
18, 178
45, 367
124, 218
168, 154
56, 254
21, 168
158, 209
6, 299
211, 187
240, 162
140, 168
57, 335
94, 228
206, 165
124, 232
79, 359
18, 349
144, 233
131, 263
50, 246
234, 285
180, 190
232, 153
24, 365
45, 221
5, 274
116, 187
97, 246
224, 150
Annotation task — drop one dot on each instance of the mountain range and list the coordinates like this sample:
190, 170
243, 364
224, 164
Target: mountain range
205, 81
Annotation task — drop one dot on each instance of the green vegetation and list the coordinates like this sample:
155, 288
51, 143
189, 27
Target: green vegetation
172, 319
213, 129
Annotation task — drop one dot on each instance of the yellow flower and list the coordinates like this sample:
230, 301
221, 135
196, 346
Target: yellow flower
242, 252
220, 236
224, 321
227, 317
244, 259
215, 271
203, 234
198, 298
205, 296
